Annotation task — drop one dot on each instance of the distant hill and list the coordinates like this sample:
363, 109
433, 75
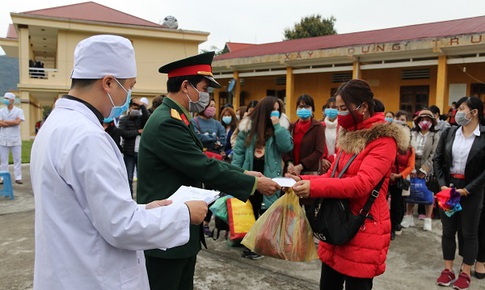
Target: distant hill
9, 74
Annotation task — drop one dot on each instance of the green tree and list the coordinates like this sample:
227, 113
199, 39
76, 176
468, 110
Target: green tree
311, 26
213, 48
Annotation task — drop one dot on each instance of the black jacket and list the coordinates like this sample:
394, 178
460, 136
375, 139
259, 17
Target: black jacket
475, 164
130, 127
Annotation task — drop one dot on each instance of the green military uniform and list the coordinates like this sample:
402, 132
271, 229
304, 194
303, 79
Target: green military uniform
171, 155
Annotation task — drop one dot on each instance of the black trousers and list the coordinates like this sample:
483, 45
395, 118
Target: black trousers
333, 280
466, 221
171, 274
397, 206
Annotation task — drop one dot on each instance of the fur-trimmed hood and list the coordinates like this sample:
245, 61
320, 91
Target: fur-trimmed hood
245, 125
355, 141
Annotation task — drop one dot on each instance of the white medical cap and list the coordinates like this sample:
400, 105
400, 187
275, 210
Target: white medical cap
144, 100
102, 55
9, 96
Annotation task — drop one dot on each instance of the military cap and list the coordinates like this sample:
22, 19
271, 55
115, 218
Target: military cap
195, 65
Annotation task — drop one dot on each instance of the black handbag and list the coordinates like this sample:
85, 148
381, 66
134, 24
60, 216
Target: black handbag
401, 183
332, 220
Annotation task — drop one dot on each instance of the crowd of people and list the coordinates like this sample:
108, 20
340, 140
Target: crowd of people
183, 139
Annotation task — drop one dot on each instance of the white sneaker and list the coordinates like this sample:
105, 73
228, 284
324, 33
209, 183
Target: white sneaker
407, 221
427, 224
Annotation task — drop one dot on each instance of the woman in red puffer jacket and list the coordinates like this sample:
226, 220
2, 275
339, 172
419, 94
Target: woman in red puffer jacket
375, 142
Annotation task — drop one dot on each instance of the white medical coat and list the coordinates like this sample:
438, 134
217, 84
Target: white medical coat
10, 136
89, 233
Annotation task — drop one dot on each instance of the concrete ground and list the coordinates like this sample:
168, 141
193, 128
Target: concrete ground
413, 262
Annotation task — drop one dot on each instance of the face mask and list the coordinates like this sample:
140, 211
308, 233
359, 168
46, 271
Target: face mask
424, 125
209, 112
460, 118
304, 113
388, 119
6, 102
116, 111
227, 120
275, 114
135, 113
331, 113
346, 120
199, 106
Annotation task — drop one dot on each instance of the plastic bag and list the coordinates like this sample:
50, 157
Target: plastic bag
419, 192
240, 216
283, 232
219, 208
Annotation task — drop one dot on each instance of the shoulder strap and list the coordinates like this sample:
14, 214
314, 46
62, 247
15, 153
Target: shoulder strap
374, 194
345, 167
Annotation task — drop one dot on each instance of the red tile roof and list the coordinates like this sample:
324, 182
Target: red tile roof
11, 32
92, 11
412, 32
233, 46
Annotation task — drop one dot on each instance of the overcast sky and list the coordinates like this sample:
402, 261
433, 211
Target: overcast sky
262, 21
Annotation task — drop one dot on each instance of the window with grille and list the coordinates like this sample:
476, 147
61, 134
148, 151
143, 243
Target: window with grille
413, 98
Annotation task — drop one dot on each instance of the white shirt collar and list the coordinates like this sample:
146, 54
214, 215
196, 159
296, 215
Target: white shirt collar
476, 132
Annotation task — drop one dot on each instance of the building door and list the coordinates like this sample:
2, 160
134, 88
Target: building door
413, 98
478, 90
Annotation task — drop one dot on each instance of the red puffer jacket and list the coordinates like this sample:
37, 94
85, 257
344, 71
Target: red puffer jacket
376, 143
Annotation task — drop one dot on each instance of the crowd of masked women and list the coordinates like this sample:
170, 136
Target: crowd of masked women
356, 132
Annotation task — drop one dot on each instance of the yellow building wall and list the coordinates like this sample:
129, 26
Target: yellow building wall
318, 86
151, 53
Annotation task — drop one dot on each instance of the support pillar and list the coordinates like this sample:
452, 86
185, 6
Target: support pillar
441, 83
290, 99
236, 99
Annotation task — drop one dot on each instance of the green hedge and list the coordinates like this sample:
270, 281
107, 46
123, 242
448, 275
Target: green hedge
26, 146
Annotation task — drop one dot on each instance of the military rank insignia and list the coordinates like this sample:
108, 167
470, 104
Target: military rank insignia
175, 114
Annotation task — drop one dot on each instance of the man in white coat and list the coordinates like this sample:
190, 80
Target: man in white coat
88, 230
10, 119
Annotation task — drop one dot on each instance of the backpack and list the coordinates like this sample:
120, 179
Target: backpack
331, 219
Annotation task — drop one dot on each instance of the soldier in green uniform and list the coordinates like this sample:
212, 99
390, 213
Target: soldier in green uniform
171, 155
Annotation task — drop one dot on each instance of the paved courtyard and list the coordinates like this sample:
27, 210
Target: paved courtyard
414, 259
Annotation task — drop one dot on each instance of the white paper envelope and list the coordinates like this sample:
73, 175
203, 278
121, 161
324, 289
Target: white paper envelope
284, 181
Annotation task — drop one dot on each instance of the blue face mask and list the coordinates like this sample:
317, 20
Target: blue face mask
227, 120
6, 102
116, 111
275, 114
388, 119
331, 113
304, 113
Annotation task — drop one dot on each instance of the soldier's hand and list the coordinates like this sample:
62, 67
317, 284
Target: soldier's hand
158, 203
254, 173
198, 210
267, 186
